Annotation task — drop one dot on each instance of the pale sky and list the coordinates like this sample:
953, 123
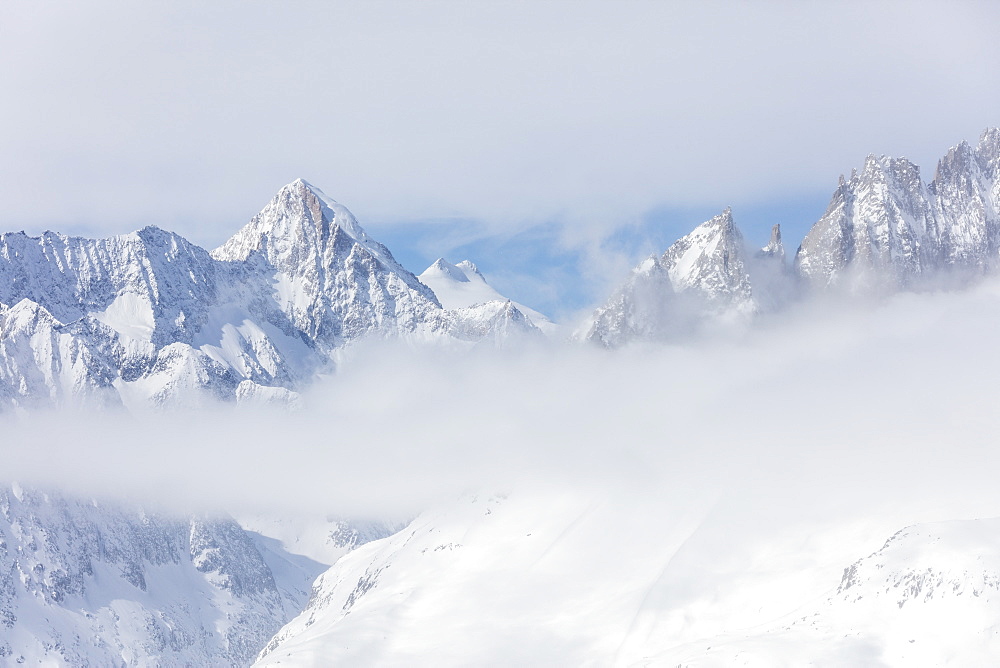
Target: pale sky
551, 142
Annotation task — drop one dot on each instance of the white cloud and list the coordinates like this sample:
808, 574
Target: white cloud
832, 410
191, 115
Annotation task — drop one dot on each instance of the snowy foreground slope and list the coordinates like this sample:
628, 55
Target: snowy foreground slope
149, 318
709, 505
927, 597
492, 581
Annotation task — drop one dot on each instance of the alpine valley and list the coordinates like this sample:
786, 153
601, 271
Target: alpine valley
694, 474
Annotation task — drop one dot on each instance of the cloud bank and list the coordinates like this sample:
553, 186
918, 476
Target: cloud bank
831, 409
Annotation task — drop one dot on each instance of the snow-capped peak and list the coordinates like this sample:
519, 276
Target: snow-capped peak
462, 285
709, 259
706, 265
470, 268
442, 267
300, 214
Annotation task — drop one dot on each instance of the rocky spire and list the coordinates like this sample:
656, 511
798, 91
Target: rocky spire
774, 247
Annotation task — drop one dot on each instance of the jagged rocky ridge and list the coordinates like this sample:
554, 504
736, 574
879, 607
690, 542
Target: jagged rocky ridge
150, 318
86, 583
701, 275
884, 230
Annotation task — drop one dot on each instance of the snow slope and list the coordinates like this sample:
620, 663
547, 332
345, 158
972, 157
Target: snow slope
557, 578
928, 597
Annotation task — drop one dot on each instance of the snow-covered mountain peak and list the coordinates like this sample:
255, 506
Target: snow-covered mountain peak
886, 228
647, 266
300, 216
332, 279
713, 231
959, 159
885, 169
443, 268
709, 259
700, 278
462, 286
470, 268
149, 316
721, 223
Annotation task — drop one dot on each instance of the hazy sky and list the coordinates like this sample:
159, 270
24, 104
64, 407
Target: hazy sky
550, 142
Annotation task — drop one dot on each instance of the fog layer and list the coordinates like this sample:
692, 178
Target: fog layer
830, 408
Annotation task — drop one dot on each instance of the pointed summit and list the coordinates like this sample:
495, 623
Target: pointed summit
701, 277
774, 247
868, 239
886, 229
332, 279
470, 268
299, 215
709, 260
444, 269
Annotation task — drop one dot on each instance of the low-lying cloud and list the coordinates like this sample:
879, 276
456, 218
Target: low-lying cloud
828, 408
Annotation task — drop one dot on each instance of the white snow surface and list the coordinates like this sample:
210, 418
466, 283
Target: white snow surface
560, 578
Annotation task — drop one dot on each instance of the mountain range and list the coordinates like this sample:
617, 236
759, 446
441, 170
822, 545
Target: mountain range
149, 319
884, 230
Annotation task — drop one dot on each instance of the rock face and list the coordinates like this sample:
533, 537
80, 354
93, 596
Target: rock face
85, 583
886, 229
702, 276
151, 318
774, 248
333, 282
